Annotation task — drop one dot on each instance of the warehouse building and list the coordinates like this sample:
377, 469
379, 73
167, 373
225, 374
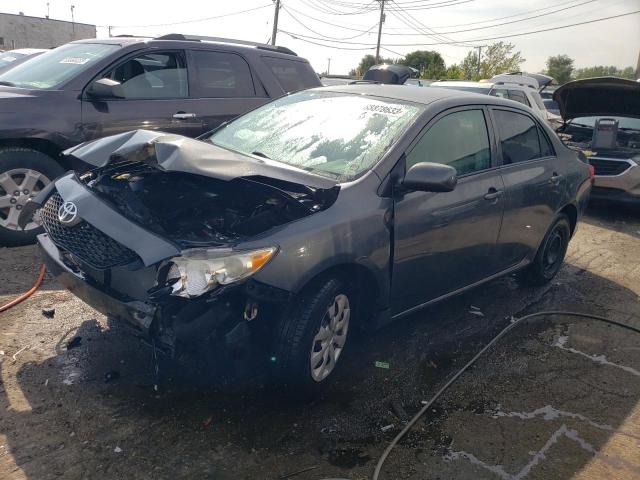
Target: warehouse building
23, 31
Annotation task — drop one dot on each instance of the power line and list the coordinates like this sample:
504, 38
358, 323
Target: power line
286, 9
187, 21
500, 37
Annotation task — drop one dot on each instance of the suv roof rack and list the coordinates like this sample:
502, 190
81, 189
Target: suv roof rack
198, 38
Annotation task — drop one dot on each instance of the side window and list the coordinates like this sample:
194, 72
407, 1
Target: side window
519, 96
499, 92
518, 137
291, 74
152, 75
221, 75
459, 139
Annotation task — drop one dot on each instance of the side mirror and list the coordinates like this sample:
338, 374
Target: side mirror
430, 177
105, 88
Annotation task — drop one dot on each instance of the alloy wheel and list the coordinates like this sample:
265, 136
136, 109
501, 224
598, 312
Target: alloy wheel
330, 339
17, 187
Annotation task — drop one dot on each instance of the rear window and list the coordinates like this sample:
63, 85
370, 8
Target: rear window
292, 75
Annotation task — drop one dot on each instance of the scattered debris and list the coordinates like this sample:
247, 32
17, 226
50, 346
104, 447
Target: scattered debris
386, 428
432, 364
111, 375
298, 472
474, 308
207, 421
15, 355
382, 365
398, 409
48, 312
46, 382
117, 450
74, 342
476, 312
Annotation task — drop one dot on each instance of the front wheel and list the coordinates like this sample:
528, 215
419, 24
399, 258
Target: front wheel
312, 335
550, 255
24, 172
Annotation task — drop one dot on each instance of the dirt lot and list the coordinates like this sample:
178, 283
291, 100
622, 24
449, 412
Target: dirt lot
555, 399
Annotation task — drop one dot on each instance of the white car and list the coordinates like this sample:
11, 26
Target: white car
520, 88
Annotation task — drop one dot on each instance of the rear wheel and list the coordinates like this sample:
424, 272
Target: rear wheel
23, 174
550, 255
313, 334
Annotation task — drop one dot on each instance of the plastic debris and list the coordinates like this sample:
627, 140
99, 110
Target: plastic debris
386, 428
15, 355
382, 365
117, 450
74, 342
207, 421
477, 313
474, 307
111, 376
48, 312
46, 382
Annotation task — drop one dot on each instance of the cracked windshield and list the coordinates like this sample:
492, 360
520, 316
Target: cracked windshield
302, 130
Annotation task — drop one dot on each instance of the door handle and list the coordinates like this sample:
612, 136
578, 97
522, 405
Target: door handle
555, 178
183, 115
493, 194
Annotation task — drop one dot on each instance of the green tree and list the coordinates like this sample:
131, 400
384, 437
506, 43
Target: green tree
469, 67
500, 58
560, 67
604, 71
455, 72
430, 64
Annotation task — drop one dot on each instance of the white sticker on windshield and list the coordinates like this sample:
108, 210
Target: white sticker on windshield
10, 59
75, 60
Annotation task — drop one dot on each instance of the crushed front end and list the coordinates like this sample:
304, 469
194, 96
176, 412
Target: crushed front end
162, 250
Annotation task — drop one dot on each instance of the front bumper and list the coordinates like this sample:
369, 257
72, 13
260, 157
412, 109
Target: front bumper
624, 187
138, 314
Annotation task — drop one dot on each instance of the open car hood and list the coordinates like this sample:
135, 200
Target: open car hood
177, 153
598, 97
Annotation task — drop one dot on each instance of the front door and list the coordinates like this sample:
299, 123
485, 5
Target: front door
155, 86
533, 184
446, 241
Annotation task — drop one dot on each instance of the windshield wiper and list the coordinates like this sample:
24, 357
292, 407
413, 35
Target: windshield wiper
7, 84
260, 154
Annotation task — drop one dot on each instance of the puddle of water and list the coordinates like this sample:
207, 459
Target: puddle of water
601, 359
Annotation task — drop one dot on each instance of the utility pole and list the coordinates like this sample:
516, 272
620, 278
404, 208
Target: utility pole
110, 27
47, 9
328, 65
73, 22
479, 47
380, 30
275, 23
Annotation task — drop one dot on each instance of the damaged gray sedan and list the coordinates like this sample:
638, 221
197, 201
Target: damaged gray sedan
321, 213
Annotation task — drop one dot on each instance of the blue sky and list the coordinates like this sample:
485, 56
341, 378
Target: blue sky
613, 42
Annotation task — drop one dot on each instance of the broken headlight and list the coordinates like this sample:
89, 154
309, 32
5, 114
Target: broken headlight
198, 270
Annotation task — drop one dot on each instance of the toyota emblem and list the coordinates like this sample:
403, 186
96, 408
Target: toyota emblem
68, 214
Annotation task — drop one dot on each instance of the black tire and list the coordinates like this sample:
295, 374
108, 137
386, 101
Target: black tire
297, 329
18, 157
550, 255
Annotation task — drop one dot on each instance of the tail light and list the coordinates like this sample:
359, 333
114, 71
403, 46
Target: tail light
592, 171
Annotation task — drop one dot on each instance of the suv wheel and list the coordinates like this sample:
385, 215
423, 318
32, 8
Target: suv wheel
313, 334
550, 255
23, 173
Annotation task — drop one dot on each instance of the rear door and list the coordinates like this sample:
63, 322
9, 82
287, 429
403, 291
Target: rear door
446, 241
224, 85
533, 182
155, 84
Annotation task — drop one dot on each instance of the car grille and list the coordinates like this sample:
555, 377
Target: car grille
83, 240
609, 167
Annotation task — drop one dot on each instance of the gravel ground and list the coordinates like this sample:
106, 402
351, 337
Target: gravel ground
557, 398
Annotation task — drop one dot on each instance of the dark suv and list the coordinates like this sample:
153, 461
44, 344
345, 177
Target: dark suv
92, 88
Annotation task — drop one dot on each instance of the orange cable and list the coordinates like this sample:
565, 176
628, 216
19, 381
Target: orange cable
28, 293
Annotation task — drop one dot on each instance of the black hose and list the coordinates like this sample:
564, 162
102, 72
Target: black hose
511, 326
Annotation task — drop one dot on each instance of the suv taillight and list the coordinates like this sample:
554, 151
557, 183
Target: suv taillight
592, 171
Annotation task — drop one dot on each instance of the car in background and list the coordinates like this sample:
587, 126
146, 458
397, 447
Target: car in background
552, 106
520, 88
331, 80
322, 213
602, 119
93, 88
12, 58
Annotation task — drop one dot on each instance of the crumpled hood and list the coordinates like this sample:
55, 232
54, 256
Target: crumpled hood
170, 152
598, 97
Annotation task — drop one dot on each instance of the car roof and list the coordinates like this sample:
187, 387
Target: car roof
183, 41
423, 96
455, 83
